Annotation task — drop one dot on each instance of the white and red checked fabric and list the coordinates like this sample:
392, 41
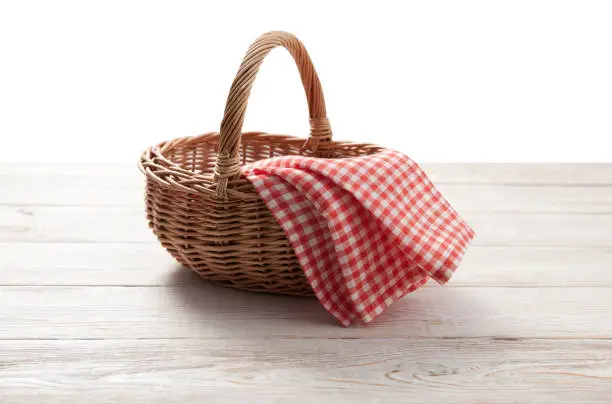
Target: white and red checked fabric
366, 230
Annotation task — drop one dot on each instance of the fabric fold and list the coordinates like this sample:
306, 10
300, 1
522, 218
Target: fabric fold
366, 230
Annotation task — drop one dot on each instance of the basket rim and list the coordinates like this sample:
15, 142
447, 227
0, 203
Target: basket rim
157, 167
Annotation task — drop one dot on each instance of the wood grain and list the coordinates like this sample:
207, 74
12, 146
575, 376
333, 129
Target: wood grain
201, 310
92, 307
82, 174
475, 197
123, 186
148, 264
128, 225
378, 370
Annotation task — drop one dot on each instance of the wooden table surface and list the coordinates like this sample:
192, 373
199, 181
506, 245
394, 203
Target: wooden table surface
93, 310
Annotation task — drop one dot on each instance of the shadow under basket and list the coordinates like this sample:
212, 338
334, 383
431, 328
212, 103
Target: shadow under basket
208, 215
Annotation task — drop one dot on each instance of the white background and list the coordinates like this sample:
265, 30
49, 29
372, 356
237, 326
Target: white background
440, 81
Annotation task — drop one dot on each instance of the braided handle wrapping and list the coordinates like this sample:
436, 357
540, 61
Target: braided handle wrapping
228, 162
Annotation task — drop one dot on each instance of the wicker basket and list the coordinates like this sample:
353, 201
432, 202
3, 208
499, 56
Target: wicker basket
207, 215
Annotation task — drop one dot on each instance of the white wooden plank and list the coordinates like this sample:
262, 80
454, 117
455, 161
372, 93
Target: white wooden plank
567, 244
122, 185
126, 174
306, 371
74, 224
129, 264
71, 184
535, 267
200, 310
127, 224
71, 195
528, 198
464, 197
149, 264
541, 229
82, 174
521, 173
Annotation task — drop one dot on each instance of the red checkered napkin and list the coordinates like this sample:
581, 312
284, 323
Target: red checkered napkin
366, 230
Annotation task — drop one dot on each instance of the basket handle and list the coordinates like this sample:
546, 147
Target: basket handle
228, 163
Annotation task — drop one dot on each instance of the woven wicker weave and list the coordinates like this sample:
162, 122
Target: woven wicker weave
207, 215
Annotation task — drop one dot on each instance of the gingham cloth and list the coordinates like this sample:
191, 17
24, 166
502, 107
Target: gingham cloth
366, 230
